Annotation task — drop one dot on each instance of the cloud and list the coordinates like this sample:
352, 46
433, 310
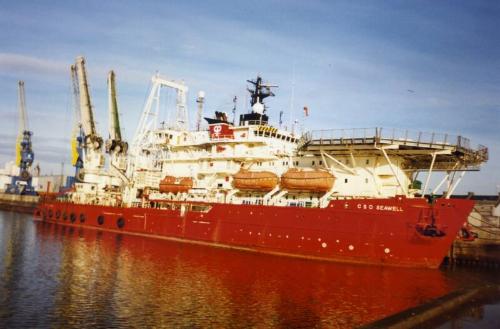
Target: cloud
14, 63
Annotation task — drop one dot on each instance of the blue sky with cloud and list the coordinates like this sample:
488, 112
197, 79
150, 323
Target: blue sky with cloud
422, 65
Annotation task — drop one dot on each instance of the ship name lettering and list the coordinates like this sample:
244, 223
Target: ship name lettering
379, 207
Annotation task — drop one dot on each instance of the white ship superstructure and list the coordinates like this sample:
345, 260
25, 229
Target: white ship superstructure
250, 161
365, 163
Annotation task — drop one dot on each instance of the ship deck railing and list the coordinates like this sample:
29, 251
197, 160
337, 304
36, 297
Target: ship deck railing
391, 135
404, 141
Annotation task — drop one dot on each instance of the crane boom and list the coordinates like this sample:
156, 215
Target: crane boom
114, 121
23, 118
76, 94
77, 134
115, 146
87, 117
22, 122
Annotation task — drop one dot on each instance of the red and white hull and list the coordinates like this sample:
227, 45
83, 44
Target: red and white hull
367, 231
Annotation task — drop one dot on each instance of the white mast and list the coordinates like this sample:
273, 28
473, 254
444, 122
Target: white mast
200, 100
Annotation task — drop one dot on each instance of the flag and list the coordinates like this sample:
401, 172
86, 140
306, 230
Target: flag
306, 111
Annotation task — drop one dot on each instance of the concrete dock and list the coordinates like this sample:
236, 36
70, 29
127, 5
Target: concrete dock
18, 203
485, 249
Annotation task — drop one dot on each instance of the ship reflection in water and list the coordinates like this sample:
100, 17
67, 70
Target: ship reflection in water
55, 276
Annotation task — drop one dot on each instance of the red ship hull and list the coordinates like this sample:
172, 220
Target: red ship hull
367, 231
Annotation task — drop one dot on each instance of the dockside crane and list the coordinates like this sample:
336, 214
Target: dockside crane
22, 183
116, 147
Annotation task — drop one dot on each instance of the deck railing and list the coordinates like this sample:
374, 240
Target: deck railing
381, 135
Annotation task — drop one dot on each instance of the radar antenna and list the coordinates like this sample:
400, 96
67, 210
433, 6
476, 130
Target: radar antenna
260, 91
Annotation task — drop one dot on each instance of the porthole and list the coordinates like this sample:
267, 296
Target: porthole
82, 218
72, 217
65, 216
120, 222
58, 214
50, 213
100, 220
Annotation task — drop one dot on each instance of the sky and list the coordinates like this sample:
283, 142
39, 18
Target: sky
428, 66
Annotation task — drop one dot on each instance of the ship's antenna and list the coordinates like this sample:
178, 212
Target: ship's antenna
235, 100
292, 97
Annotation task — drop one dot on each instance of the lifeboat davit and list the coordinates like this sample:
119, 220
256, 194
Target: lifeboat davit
310, 180
255, 180
172, 184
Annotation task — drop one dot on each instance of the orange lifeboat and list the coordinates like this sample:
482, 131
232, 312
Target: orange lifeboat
310, 181
171, 184
255, 180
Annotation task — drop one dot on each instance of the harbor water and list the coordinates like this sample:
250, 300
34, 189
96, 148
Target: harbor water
56, 276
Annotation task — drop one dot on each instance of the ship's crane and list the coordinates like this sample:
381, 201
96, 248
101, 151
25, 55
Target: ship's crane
140, 153
21, 184
116, 147
93, 159
77, 136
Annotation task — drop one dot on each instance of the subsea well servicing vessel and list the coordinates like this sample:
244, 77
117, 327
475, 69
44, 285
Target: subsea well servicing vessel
339, 195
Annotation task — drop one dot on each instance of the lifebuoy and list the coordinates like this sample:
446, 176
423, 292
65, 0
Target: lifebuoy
100, 219
120, 222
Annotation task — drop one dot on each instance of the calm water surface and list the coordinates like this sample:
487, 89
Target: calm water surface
55, 276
